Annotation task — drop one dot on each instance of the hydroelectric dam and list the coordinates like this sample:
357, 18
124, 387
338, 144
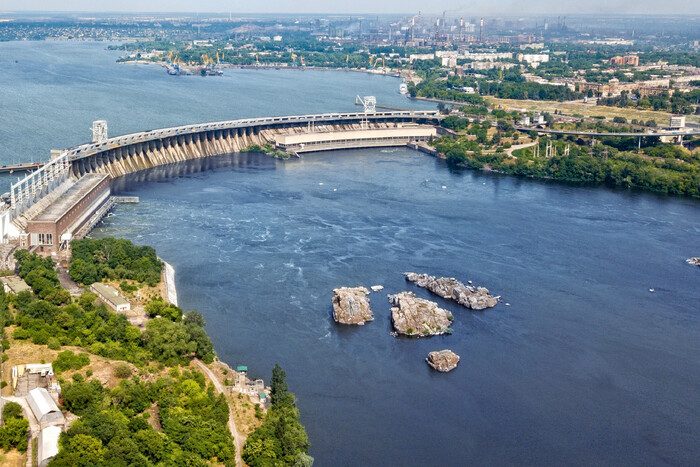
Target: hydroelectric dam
66, 197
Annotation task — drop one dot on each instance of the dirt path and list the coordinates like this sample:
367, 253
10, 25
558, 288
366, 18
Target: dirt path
68, 283
238, 439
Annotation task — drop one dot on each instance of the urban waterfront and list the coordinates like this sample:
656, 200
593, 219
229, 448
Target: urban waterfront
585, 367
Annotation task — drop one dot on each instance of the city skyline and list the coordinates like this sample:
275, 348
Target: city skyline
468, 7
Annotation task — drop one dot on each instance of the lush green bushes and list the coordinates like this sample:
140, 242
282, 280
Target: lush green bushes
14, 432
94, 260
68, 360
678, 173
40, 275
159, 307
281, 440
114, 429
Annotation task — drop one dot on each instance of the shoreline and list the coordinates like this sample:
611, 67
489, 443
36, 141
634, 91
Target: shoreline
169, 283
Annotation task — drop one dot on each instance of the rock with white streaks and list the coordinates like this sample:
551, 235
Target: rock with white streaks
417, 317
475, 298
443, 360
351, 306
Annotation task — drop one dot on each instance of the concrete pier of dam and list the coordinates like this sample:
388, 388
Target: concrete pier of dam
45, 190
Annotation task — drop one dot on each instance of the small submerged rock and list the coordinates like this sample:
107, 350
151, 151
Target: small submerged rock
475, 298
417, 317
694, 261
443, 360
351, 305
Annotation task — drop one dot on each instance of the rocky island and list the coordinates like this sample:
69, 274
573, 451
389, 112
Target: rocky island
693, 261
415, 316
474, 298
443, 360
351, 306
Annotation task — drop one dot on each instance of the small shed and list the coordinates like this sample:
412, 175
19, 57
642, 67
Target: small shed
47, 444
44, 408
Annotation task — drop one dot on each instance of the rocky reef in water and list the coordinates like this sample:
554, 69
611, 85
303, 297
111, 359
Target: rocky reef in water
417, 317
351, 306
475, 298
694, 261
443, 360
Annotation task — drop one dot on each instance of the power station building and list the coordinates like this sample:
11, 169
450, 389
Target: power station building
60, 220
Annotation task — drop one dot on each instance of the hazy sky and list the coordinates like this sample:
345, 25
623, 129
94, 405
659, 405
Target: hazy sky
453, 7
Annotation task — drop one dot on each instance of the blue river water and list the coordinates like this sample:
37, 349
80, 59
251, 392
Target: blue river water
586, 366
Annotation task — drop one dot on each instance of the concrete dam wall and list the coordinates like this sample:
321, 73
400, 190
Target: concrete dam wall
134, 153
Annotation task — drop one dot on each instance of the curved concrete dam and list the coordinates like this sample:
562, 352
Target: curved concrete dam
139, 151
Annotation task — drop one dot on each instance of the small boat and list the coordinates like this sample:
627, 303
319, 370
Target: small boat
403, 88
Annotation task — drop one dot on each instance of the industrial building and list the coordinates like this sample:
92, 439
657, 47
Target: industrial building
66, 214
47, 444
111, 297
631, 60
44, 407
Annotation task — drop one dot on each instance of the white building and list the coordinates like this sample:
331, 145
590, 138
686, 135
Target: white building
44, 407
414, 57
47, 444
533, 59
111, 297
677, 121
487, 56
449, 61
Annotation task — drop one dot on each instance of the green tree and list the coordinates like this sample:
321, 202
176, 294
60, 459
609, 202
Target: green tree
278, 385
194, 317
12, 410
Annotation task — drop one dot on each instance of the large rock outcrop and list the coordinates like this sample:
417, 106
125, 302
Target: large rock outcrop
443, 360
417, 317
351, 305
693, 261
475, 298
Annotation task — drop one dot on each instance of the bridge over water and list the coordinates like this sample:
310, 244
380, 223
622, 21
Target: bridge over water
64, 199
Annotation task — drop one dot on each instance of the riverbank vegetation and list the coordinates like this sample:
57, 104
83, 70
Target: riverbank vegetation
109, 258
86, 323
659, 168
281, 440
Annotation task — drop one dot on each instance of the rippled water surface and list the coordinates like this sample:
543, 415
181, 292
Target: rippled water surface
585, 367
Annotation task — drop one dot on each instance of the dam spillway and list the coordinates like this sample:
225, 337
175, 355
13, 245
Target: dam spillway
139, 151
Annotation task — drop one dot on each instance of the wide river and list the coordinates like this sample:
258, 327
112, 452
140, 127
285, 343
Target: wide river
586, 365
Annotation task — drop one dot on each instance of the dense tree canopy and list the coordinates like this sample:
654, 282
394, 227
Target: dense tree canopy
114, 427
281, 440
96, 259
